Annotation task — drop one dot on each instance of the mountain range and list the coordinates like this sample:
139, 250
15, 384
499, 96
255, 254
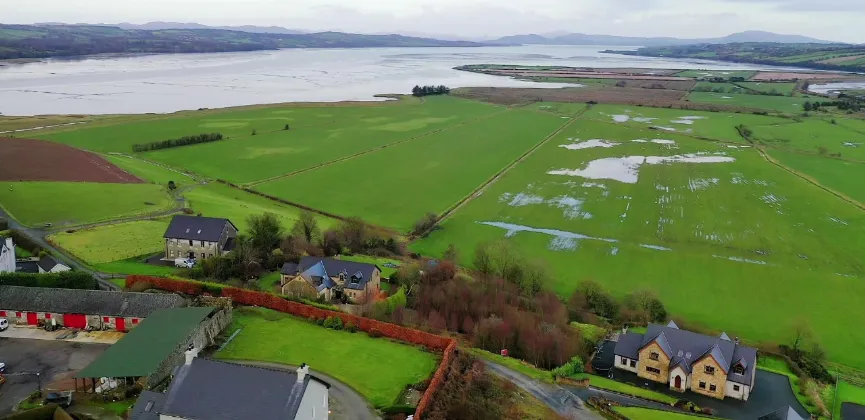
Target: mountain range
586, 39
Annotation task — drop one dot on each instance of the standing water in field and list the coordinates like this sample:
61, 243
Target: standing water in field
626, 169
562, 240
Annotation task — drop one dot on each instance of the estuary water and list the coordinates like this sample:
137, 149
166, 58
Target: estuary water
172, 82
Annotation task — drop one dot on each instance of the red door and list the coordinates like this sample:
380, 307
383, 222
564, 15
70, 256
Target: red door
678, 382
74, 321
120, 323
31, 318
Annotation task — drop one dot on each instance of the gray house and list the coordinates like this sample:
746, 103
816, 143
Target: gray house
329, 277
198, 237
205, 389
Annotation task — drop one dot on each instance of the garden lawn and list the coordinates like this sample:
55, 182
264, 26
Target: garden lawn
636, 413
219, 200
590, 332
376, 367
267, 281
386, 272
135, 266
623, 388
518, 365
769, 87
811, 135
104, 244
75, 203
783, 104
848, 393
148, 171
22, 253
841, 176
395, 187
678, 229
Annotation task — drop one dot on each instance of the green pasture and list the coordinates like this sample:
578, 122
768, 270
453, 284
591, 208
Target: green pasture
75, 203
394, 187
709, 125
814, 136
769, 87
134, 266
109, 243
719, 87
637, 413
219, 200
783, 104
680, 229
563, 109
842, 176
148, 171
704, 74
386, 272
377, 368
848, 393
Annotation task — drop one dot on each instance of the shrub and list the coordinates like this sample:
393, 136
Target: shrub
573, 367
62, 280
312, 320
183, 141
337, 323
350, 327
374, 333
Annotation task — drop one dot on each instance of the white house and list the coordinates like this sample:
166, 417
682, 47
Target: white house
7, 255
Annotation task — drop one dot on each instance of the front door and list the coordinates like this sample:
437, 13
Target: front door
120, 324
32, 319
191, 255
678, 382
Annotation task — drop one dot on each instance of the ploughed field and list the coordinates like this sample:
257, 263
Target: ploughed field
740, 222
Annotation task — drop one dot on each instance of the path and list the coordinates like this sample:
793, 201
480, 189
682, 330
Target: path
561, 400
353, 405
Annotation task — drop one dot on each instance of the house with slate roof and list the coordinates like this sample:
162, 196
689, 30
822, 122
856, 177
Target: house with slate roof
330, 278
198, 237
714, 366
786, 413
205, 389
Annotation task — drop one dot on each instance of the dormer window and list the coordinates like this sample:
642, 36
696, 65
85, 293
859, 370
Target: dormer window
739, 369
710, 370
654, 355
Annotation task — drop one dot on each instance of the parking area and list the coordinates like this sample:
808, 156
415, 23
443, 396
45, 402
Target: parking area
34, 333
52, 359
852, 411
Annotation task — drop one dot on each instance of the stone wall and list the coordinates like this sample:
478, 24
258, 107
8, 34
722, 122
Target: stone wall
662, 364
718, 379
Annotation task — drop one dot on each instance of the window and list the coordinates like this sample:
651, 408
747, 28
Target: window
735, 387
624, 361
200, 243
712, 388
702, 385
653, 370
739, 369
171, 253
710, 370
654, 355
633, 363
203, 256
190, 242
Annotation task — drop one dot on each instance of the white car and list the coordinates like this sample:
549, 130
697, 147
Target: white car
184, 262
4, 324
2, 367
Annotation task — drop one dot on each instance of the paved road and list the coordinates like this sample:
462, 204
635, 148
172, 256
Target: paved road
348, 403
559, 399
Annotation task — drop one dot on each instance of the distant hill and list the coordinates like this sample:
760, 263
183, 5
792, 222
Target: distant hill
585, 39
51, 40
155, 26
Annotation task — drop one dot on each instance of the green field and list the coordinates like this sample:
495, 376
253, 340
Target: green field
783, 104
109, 243
134, 266
75, 203
435, 171
377, 368
148, 171
841, 176
678, 229
636, 413
702, 74
718, 87
810, 135
768, 87
848, 393
386, 272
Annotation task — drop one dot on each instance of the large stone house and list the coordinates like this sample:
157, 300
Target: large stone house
714, 366
330, 278
198, 237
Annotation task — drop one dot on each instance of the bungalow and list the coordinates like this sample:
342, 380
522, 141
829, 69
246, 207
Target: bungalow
198, 237
7, 255
205, 389
714, 366
46, 264
76, 308
329, 277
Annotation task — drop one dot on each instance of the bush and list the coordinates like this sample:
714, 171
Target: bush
573, 367
4, 224
374, 333
350, 327
62, 280
183, 141
399, 409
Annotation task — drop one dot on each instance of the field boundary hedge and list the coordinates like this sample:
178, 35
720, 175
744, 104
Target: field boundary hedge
183, 141
271, 301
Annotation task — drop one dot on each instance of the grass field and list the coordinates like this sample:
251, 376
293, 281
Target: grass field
844, 177
134, 266
386, 272
74, 203
436, 171
105, 244
267, 282
783, 104
701, 74
769, 87
678, 229
810, 135
218, 200
848, 393
636, 413
148, 171
377, 368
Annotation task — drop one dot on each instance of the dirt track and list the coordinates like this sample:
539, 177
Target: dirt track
40, 160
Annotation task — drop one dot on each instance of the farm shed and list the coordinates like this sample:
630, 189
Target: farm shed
77, 308
150, 352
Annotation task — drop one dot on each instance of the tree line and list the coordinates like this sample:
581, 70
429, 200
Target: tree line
430, 90
183, 141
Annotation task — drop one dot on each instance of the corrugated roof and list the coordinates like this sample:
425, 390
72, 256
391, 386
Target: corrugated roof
196, 228
141, 350
87, 302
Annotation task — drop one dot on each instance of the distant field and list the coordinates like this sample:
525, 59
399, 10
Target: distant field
811, 135
771, 103
844, 177
217, 200
435, 172
148, 171
386, 272
73, 203
704, 74
105, 244
767, 87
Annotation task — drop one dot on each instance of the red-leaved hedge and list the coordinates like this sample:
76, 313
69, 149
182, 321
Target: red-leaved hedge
271, 301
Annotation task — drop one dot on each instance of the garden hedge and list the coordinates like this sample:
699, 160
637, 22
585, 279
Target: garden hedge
62, 280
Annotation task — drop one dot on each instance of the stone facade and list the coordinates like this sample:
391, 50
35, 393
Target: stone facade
182, 248
289, 286
700, 378
662, 364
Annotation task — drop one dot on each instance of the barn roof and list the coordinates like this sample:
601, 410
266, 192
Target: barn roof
145, 347
87, 302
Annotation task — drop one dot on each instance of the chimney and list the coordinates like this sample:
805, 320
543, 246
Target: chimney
191, 353
737, 341
302, 371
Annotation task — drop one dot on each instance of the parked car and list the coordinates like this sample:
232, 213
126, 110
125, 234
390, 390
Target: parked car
2, 367
184, 262
4, 324
63, 399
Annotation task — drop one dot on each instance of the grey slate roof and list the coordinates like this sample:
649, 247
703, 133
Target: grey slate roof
786, 413
196, 228
356, 274
288, 268
214, 390
672, 324
689, 347
27, 266
629, 345
148, 406
47, 262
87, 302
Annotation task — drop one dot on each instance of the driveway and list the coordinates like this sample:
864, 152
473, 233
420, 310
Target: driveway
50, 358
771, 392
850, 411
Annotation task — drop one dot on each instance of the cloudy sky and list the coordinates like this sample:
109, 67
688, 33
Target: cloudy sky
827, 19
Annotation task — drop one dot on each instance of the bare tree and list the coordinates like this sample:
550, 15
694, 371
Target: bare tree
307, 227
802, 334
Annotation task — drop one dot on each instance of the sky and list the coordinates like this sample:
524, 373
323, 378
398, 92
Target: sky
837, 20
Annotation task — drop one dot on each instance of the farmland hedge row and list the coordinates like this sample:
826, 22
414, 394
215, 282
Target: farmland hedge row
183, 141
271, 301
62, 280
